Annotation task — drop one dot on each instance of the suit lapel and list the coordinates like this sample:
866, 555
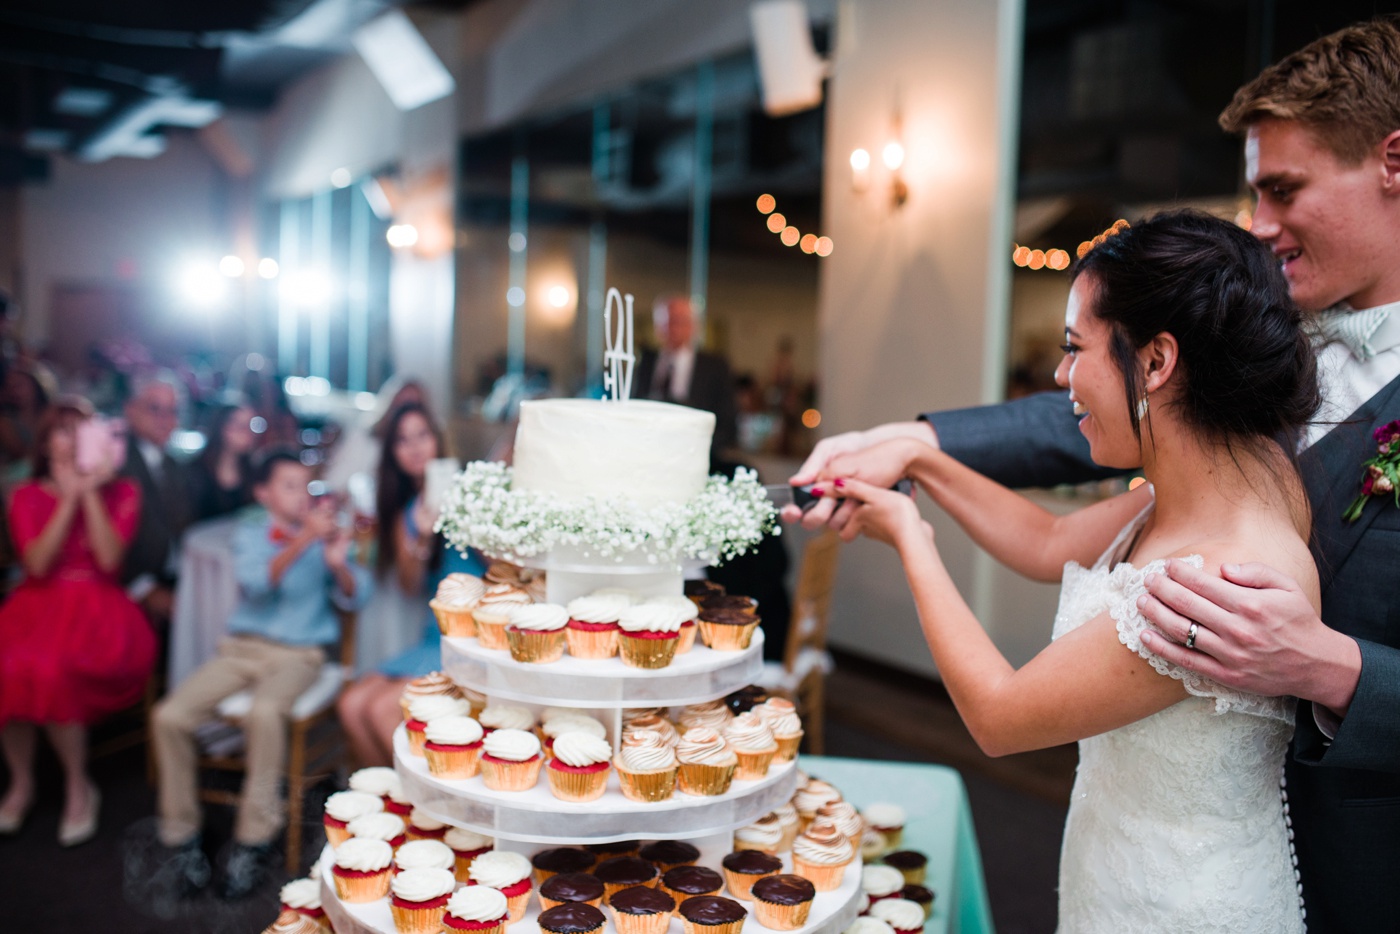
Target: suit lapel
1332, 474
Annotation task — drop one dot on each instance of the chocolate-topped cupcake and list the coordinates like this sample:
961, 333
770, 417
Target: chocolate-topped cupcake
623, 872
561, 859
912, 863
572, 919
572, 888
713, 602
703, 588
711, 914
616, 848
745, 699
783, 902
727, 630
668, 854
921, 896
641, 909
743, 868
688, 881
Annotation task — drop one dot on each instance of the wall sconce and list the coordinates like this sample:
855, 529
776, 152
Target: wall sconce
860, 170
893, 157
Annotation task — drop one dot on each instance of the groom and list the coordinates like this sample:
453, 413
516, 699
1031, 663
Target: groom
1322, 151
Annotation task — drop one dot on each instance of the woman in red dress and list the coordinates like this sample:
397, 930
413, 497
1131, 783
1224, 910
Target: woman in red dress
73, 647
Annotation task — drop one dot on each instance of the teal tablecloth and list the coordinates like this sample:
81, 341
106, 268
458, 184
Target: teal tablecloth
939, 826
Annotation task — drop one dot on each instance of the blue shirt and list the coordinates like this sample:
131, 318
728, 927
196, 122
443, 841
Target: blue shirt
299, 609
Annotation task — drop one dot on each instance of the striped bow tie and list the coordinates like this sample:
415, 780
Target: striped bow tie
1365, 333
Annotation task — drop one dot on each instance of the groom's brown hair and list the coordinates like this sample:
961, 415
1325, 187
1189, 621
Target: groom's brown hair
1345, 87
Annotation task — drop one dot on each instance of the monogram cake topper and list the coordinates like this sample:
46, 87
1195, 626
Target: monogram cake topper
619, 358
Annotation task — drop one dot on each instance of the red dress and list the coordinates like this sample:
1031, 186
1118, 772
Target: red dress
73, 646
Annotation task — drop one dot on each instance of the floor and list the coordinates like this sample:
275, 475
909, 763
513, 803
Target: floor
113, 884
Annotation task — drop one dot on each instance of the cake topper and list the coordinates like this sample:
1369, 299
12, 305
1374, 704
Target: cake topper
619, 358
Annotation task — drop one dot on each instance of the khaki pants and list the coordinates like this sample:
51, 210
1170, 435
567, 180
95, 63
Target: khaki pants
277, 675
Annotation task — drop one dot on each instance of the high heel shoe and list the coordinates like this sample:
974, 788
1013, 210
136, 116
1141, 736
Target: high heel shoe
11, 823
84, 828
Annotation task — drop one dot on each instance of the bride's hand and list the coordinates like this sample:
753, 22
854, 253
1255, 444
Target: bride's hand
879, 513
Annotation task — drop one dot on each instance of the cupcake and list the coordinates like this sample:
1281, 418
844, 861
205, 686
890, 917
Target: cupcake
810, 797
379, 826
343, 807
689, 881
888, 819
571, 722
780, 716
880, 882
648, 636
493, 613
646, 767
559, 860
821, 853
424, 826
466, 846
713, 714
508, 872
379, 780
623, 872
477, 908
783, 902
666, 855
602, 851
592, 628
572, 888
457, 595
868, 925
291, 922
398, 802
506, 717
910, 862
745, 699
764, 835
728, 602
530, 580
579, 769
700, 587
687, 611
304, 897
753, 745
511, 760
577, 918
424, 854
787, 817
846, 818
476, 699
921, 896
872, 844
641, 910
727, 630
419, 899
706, 764
535, 633
452, 746
711, 914
361, 870
743, 868
429, 708
654, 722
430, 684
904, 916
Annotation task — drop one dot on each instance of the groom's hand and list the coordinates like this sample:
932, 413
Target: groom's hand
1256, 631
836, 513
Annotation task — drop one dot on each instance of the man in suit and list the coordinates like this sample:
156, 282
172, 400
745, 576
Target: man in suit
1322, 147
678, 372
148, 571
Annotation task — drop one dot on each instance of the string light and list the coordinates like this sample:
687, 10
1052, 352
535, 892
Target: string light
789, 235
1058, 260
808, 243
766, 204
776, 222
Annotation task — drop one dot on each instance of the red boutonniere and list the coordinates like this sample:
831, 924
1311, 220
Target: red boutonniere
1382, 471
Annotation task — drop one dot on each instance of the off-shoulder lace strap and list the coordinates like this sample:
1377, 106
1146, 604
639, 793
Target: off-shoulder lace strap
1131, 623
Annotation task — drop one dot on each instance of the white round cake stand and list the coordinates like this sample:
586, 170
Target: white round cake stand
832, 912
700, 675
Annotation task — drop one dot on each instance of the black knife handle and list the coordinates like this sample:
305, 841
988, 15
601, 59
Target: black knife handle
804, 499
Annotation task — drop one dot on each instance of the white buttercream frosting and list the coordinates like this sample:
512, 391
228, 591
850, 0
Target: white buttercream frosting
348, 805
748, 733
649, 617
453, 731
646, 751
361, 854
703, 746
379, 826
301, 893
683, 606
656, 723
500, 869
425, 854
899, 913
881, 880
438, 705
423, 885
883, 815
867, 924
539, 617
580, 749
550, 713
460, 591
479, 903
515, 745
422, 820
376, 780
598, 608
507, 717
460, 838
632, 596
575, 723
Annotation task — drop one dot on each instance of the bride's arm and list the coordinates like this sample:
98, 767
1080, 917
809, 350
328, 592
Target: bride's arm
1027, 538
1081, 685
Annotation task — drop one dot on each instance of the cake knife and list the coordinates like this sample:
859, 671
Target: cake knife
783, 494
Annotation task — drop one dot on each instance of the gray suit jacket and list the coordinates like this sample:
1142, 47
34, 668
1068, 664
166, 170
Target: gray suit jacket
1344, 796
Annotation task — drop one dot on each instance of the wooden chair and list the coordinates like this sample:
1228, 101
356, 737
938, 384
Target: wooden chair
315, 743
802, 674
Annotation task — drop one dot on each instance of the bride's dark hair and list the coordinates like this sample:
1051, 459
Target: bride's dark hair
1249, 369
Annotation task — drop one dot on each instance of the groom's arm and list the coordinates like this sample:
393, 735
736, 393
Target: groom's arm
1368, 737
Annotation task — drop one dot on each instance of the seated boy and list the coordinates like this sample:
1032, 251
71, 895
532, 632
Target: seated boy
292, 565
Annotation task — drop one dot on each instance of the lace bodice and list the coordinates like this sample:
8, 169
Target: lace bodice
1175, 822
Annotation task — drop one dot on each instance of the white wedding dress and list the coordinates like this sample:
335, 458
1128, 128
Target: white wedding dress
1177, 823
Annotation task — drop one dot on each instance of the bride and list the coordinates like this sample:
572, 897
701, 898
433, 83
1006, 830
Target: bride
1185, 357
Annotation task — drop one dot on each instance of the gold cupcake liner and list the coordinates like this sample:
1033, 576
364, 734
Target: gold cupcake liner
548, 903
533, 647
335, 836
750, 845
753, 765
592, 643
789, 835
417, 920
725, 637
914, 876
516, 905
705, 780
824, 878
687, 639
454, 622
646, 653
641, 924
894, 836
416, 739
787, 746
362, 889
646, 787
492, 635
729, 927
781, 917
511, 776
498, 929
456, 763
740, 884
577, 786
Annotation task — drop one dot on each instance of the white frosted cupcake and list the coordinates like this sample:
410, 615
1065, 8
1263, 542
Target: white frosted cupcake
570, 722
466, 846
655, 722
424, 709
782, 721
810, 798
648, 636
424, 854
846, 818
479, 909
764, 835
535, 633
714, 714
506, 717
379, 826
592, 629
646, 766
888, 819
752, 743
419, 899
509, 873
511, 760
457, 596
452, 746
881, 882
579, 769
424, 826
304, 897
686, 609
865, 924
343, 807
361, 870
905, 916
821, 854
707, 763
